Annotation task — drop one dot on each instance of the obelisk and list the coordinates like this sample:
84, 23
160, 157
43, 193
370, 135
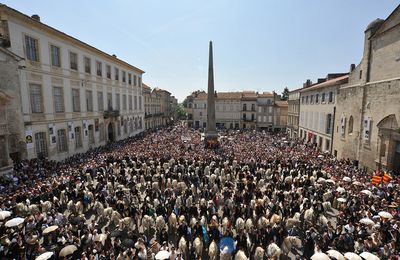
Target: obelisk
211, 136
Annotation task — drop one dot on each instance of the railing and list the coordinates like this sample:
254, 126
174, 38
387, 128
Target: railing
111, 113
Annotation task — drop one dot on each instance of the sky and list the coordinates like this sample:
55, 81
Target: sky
260, 45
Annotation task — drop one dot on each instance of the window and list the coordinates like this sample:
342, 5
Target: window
306, 99
41, 145
316, 98
123, 76
139, 81
124, 102
87, 61
140, 103
78, 137
328, 123
312, 99
323, 97
252, 117
108, 69
76, 104
62, 141
244, 116
130, 102
89, 100
91, 134
118, 102
253, 107
129, 79
99, 68
200, 114
351, 124
244, 107
330, 97
134, 80
302, 100
58, 99
100, 101
116, 72
102, 132
360, 76
135, 103
55, 56
73, 61
35, 92
32, 48
109, 101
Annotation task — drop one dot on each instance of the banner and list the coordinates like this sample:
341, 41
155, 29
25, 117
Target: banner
376, 180
29, 139
343, 125
386, 178
85, 129
367, 128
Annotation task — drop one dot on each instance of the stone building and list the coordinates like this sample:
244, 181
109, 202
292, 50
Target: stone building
368, 107
239, 110
12, 136
73, 96
293, 113
318, 110
160, 107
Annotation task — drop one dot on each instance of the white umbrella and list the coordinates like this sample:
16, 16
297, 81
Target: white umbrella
100, 238
340, 189
385, 214
335, 254
367, 192
49, 229
45, 256
369, 256
68, 250
352, 256
330, 181
320, 156
341, 200
320, 256
357, 183
367, 221
347, 179
321, 180
4, 214
162, 255
14, 222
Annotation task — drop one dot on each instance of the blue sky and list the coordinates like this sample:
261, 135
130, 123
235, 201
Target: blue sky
260, 45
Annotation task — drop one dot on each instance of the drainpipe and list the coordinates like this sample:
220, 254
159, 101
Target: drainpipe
333, 127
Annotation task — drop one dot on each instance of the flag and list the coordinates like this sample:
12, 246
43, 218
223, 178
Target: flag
376, 180
386, 178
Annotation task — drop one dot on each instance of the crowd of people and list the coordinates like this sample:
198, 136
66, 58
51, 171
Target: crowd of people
163, 195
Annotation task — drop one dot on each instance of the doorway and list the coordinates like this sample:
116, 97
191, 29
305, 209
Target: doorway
111, 135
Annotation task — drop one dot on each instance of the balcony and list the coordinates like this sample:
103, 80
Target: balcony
111, 114
248, 120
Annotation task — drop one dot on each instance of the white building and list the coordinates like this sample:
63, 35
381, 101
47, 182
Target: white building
317, 110
74, 96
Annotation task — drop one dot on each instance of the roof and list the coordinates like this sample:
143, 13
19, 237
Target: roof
332, 82
11, 54
229, 95
265, 94
42, 25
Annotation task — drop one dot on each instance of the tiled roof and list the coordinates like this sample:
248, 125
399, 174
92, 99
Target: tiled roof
336, 81
281, 103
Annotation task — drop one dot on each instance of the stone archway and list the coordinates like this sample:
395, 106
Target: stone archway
389, 143
111, 132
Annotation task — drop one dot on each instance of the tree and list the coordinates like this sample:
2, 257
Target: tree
181, 111
285, 94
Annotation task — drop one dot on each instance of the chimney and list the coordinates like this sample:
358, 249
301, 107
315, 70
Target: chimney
307, 83
352, 67
115, 56
36, 17
320, 80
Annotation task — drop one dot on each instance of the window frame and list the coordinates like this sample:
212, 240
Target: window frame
87, 65
70, 61
33, 111
62, 99
36, 50
51, 55
99, 69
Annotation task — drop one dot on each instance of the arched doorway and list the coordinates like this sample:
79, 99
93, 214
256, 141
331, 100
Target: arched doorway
389, 143
111, 134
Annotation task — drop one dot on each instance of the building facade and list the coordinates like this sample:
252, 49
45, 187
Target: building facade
73, 96
369, 105
239, 110
293, 113
160, 107
318, 111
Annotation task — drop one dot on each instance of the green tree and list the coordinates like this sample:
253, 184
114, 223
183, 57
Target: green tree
181, 111
285, 94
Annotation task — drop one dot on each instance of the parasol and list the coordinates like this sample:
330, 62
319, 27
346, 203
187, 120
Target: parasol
4, 214
352, 256
385, 214
367, 192
162, 255
347, 179
341, 200
45, 256
335, 254
14, 222
367, 221
49, 229
228, 244
320, 256
369, 256
68, 250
